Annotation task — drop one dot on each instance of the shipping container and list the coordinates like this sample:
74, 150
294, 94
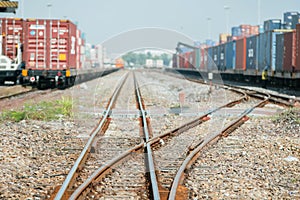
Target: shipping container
210, 64
240, 54
267, 50
203, 58
192, 59
272, 24
186, 63
181, 60
223, 38
236, 31
297, 68
245, 30
291, 19
215, 55
279, 52
252, 53
289, 55
230, 55
12, 31
221, 56
254, 30
50, 44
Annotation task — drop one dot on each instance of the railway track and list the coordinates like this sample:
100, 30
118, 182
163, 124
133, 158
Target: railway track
125, 167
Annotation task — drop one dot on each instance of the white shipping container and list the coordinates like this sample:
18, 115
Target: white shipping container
159, 63
149, 63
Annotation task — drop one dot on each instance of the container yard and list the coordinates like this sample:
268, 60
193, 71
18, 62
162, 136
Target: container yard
91, 109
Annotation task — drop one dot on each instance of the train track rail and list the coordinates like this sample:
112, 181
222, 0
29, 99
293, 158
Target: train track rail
155, 187
159, 185
19, 94
177, 188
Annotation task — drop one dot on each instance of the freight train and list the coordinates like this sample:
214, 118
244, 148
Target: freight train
43, 53
244, 58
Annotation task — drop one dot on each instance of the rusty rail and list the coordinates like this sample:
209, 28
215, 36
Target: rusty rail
67, 184
83, 189
205, 142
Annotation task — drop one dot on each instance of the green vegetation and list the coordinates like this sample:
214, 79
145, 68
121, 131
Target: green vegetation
140, 58
291, 116
45, 110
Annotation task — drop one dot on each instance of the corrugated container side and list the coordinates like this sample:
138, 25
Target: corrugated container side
297, 47
181, 60
222, 56
215, 55
230, 55
197, 58
279, 52
289, 56
12, 31
245, 30
241, 54
267, 50
50, 44
251, 53
210, 65
186, 60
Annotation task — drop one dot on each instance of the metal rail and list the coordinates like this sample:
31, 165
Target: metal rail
17, 94
72, 174
206, 141
150, 161
97, 175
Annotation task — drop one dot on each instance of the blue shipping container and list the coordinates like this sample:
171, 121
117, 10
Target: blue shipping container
291, 19
279, 52
230, 54
272, 24
267, 50
210, 65
252, 52
236, 31
215, 55
221, 55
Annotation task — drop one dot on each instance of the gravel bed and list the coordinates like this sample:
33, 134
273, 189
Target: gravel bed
36, 156
260, 160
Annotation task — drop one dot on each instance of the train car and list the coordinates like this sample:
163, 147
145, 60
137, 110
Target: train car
11, 56
50, 53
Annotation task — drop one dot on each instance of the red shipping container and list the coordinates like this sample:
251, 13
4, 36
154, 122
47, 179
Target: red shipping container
289, 51
12, 31
297, 67
245, 30
50, 44
241, 54
203, 58
254, 30
181, 60
187, 59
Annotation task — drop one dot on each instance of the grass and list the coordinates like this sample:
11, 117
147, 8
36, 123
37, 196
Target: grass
44, 111
291, 115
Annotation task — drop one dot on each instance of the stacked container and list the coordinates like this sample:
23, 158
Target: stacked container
291, 19
272, 24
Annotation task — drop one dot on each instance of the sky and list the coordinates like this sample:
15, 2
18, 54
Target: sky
103, 19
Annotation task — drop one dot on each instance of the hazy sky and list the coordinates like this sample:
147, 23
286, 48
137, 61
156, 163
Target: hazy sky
102, 19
